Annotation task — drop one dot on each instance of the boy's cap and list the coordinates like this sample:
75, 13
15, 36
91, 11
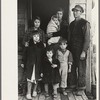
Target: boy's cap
78, 8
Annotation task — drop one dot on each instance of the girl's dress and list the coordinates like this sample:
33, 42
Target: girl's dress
34, 60
50, 75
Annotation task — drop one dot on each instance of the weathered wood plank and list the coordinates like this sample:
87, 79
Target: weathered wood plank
77, 97
71, 96
24, 98
84, 96
35, 98
63, 97
41, 97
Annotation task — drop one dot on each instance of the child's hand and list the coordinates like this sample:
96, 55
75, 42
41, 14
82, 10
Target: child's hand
49, 43
41, 74
54, 65
26, 44
44, 44
22, 65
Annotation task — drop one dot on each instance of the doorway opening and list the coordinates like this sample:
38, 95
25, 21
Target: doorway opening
46, 8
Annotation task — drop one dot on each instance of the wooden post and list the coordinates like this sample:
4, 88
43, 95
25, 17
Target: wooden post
88, 70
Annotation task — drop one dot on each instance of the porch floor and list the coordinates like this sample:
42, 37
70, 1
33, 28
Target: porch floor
71, 96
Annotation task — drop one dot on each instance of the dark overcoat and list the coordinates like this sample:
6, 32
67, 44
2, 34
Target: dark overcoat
51, 75
34, 56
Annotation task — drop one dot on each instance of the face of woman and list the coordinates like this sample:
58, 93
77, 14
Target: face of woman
59, 15
37, 23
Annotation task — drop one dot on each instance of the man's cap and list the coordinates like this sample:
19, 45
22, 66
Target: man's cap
78, 8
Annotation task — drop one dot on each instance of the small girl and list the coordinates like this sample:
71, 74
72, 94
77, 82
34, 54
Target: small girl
51, 73
33, 64
65, 58
53, 26
35, 28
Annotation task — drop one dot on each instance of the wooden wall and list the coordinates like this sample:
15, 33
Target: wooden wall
22, 21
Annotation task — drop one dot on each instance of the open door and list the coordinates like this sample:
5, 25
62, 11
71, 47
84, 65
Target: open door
46, 8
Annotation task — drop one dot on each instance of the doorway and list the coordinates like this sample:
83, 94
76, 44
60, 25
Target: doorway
46, 8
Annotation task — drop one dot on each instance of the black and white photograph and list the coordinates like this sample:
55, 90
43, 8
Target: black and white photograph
57, 42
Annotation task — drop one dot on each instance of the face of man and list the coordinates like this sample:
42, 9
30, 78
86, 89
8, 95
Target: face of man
77, 13
59, 15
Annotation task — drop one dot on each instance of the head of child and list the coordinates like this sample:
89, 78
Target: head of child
36, 37
49, 53
36, 22
63, 44
55, 19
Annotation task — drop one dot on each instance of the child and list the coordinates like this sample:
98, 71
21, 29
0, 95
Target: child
35, 28
51, 73
65, 58
53, 26
33, 63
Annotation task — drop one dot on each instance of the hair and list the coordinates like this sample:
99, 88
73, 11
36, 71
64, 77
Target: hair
60, 9
36, 17
62, 41
49, 49
54, 16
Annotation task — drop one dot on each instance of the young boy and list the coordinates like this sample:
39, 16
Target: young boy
51, 73
65, 58
53, 26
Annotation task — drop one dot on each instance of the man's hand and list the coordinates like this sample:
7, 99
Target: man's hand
54, 65
69, 70
83, 55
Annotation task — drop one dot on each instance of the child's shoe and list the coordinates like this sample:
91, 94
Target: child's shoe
46, 94
28, 96
55, 95
64, 93
34, 94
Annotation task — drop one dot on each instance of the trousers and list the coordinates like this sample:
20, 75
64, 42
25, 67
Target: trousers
78, 71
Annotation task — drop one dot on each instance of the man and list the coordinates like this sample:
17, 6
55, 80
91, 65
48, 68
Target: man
79, 43
63, 32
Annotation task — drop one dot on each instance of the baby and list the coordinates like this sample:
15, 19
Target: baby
53, 26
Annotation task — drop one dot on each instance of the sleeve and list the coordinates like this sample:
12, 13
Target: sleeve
24, 56
86, 30
26, 36
70, 57
58, 63
42, 60
43, 37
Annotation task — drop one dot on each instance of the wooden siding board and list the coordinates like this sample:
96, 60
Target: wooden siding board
71, 96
